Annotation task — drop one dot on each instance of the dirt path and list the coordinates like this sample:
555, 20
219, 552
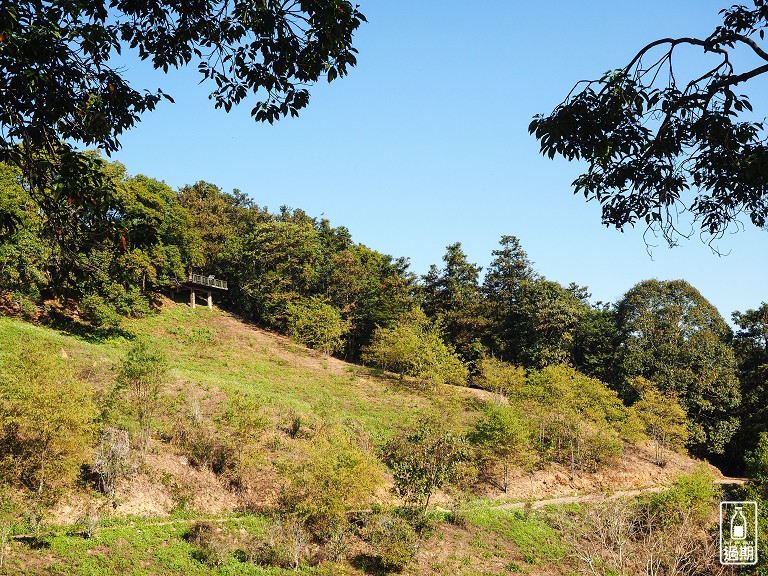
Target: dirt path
535, 504
596, 496
593, 497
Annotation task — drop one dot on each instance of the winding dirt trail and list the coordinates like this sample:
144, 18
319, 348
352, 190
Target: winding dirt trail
535, 504
597, 496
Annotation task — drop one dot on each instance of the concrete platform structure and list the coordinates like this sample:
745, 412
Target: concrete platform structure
208, 284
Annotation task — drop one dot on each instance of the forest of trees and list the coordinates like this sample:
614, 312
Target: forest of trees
84, 246
297, 274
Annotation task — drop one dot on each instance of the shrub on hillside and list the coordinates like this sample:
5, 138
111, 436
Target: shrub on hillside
243, 423
229, 445
423, 460
333, 476
24, 304
414, 346
393, 541
46, 419
285, 545
316, 324
693, 494
756, 462
110, 461
205, 447
212, 546
501, 435
143, 373
99, 313
500, 377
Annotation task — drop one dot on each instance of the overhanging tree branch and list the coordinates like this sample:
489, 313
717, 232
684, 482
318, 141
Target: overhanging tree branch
656, 151
59, 92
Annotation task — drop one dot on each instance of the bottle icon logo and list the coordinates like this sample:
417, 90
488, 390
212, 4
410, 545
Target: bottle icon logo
738, 525
738, 533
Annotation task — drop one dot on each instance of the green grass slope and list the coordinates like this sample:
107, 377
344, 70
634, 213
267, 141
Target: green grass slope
245, 387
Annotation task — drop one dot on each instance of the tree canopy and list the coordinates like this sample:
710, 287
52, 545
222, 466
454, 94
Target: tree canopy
297, 274
659, 143
751, 349
453, 295
671, 335
415, 346
62, 86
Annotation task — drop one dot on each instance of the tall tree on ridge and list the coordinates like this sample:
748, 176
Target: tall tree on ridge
750, 344
453, 296
671, 335
502, 287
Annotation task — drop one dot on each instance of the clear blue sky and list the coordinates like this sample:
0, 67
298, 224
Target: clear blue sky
425, 143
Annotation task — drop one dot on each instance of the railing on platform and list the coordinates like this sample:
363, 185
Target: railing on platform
207, 281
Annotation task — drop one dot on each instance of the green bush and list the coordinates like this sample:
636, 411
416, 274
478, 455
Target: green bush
131, 302
393, 541
502, 436
599, 448
204, 447
333, 476
285, 545
694, 493
423, 460
212, 546
24, 304
46, 419
143, 373
107, 308
499, 377
414, 346
99, 313
316, 324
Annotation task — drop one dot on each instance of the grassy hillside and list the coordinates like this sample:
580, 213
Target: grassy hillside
244, 417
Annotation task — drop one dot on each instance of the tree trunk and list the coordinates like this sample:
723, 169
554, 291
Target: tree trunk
42, 478
573, 463
531, 475
4, 531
